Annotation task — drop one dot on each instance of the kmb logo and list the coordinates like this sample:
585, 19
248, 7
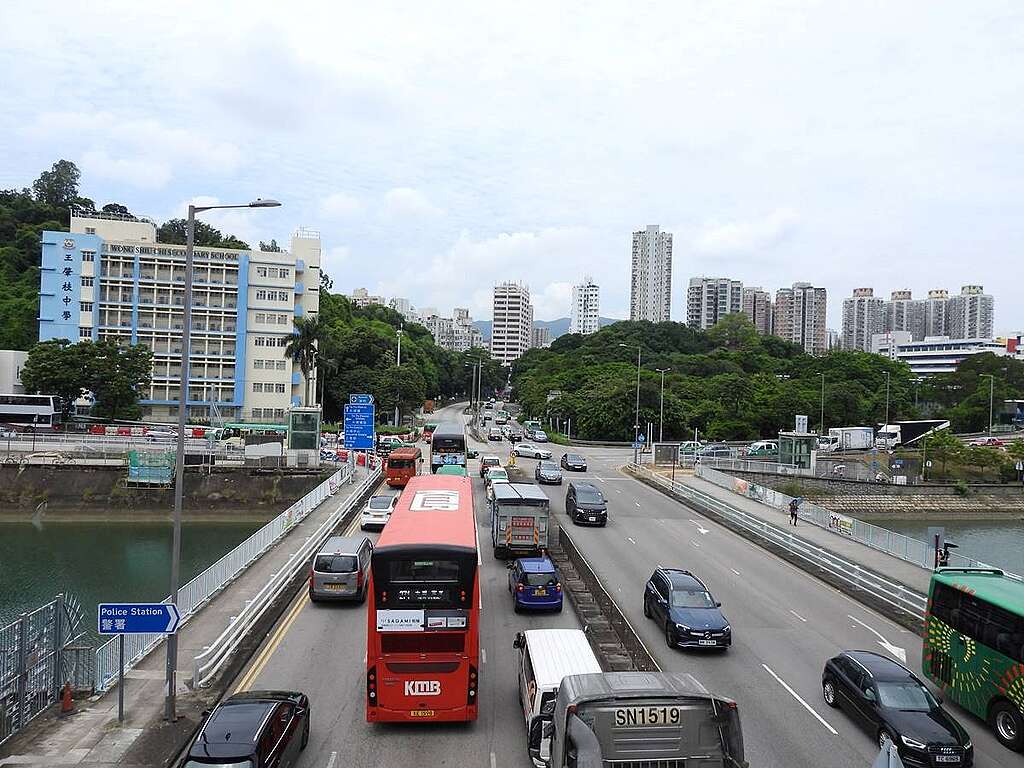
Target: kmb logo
422, 687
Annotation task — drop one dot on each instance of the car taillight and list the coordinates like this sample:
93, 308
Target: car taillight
371, 686
311, 574
520, 587
558, 587
359, 579
471, 694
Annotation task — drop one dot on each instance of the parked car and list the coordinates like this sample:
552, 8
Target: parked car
494, 434
265, 728
8, 434
341, 569
690, 448
573, 462
547, 472
828, 444
526, 449
995, 442
161, 435
533, 582
377, 511
763, 449
716, 451
539, 436
585, 504
891, 703
487, 462
683, 605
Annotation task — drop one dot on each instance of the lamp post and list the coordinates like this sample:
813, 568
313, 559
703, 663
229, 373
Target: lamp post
636, 422
886, 424
822, 422
661, 405
991, 392
179, 460
398, 364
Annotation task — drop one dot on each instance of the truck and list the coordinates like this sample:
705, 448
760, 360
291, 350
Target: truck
636, 718
852, 438
519, 520
907, 433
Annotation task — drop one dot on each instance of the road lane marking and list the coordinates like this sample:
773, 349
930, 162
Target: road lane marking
894, 650
330, 763
618, 490
796, 696
703, 531
798, 615
637, 504
631, 540
735, 571
494, 760
483, 655
695, 543
264, 656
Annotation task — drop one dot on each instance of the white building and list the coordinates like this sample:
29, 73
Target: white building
935, 354
540, 337
935, 312
800, 317
757, 306
362, 298
403, 307
709, 299
512, 326
11, 363
862, 318
888, 343
455, 333
585, 312
650, 296
108, 278
971, 315
905, 313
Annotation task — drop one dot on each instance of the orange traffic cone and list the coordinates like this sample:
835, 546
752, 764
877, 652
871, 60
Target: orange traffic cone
67, 704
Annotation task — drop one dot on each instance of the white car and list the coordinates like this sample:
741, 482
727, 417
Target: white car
377, 511
526, 449
161, 435
540, 436
8, 434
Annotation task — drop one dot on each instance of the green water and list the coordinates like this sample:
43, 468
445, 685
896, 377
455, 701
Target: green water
103, 562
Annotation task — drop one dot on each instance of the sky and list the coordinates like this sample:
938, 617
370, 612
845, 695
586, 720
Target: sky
441, 147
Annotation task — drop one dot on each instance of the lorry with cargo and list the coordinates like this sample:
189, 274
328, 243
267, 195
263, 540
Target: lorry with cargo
519, 520
905, 434
637, 719
852, 438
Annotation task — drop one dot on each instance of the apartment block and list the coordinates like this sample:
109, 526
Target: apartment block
360, 297
709, 299
971, 315
800, 317
904, 313
935, 312
650, 296
540, 337
757, 306
109, 279
585, 312
862, 318
512, 325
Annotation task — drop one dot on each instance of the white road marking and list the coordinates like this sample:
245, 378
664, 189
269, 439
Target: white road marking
631, 540
330, 763
701, 528
695, 543
618, 490
483, 655
796, 696
798, 615
735, 571
894, 650
637, 504
494, 760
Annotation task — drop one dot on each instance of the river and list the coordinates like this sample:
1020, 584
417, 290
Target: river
103, 562
999, 543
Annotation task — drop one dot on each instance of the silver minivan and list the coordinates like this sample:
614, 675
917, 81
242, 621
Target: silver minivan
341, 569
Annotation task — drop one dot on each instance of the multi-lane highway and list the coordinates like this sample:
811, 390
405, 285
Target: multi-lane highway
785, 625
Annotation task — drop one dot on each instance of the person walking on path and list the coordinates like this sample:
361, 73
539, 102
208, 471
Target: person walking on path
793, 506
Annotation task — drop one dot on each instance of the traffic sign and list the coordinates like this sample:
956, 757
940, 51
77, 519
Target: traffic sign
637, 445
359, 426
138, 618
360, 399
1020, 466
640, 439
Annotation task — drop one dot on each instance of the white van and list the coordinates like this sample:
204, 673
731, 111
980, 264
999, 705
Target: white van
545, 657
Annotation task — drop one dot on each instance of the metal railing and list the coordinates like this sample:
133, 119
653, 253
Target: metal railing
207, 664
876, 585
199, 590
914, 551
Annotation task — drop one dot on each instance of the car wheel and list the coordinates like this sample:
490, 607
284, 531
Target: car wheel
305, 732
670, 636
1008, 725
515, 607
647, 608
884, 736
828, 691
559, 608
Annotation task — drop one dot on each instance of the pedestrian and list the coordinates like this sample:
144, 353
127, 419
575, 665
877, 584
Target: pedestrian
793, 506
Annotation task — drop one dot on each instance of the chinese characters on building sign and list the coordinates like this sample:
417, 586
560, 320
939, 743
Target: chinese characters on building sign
66, 288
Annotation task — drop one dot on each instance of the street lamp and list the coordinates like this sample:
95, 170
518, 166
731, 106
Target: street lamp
179, 460
398, 364
636, 423
822, 404
886, 424
661, 406
991, 392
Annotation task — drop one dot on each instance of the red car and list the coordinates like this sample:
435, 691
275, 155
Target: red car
992, 441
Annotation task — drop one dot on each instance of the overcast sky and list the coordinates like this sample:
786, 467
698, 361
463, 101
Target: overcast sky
440, 147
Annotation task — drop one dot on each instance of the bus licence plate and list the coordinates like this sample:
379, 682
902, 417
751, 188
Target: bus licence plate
645, 717
421, 713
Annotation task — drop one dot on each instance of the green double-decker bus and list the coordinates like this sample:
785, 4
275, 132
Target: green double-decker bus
974, 646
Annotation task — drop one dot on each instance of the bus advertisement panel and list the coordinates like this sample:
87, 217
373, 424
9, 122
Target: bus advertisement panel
447, 446
422, 631
974, 646
402, 464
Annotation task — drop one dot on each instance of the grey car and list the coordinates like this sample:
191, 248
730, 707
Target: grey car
548, 472
341, 569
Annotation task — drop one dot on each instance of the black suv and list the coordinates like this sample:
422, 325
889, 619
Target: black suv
256, 728
585, 504
682, 603
891, 703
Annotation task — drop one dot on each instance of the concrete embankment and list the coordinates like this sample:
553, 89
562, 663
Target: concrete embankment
98, 493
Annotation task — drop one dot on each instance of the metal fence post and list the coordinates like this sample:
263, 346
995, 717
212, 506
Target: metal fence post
58, 643
19, 705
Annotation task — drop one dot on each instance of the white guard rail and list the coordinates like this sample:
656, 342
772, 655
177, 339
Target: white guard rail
207, 664
199, 590
878, 586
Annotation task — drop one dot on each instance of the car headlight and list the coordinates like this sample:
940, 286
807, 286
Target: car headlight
968, 744
727, 628
913, 744
682, 627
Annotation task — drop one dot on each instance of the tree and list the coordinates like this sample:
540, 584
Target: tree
176, 231
116, 208
302, 346
944, 447
57, 367
271, 247
326, 284
117, 375
734, 331
58, 187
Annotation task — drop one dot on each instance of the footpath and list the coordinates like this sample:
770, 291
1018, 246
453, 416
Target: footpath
92, 735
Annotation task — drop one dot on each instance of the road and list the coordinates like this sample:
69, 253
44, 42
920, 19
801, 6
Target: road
785, 625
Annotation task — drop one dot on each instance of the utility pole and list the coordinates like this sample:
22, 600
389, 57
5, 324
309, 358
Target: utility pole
398, 364
991, 393
822, 404
661, 406
636, 422
886, 424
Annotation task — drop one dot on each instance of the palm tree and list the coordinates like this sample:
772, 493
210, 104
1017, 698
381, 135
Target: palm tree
302, 346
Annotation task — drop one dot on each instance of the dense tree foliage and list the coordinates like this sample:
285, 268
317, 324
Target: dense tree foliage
728, 383
176, 231
963, 396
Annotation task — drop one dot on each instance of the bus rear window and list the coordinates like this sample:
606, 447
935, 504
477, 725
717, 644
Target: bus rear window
426, 570
400, 464
422, 642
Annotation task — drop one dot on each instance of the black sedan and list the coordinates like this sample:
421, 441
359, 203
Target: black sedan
547, 472
239, 729
573, 462
892, 704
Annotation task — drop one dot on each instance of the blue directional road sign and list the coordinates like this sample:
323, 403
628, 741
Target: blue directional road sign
640, 439
360, 399
359, 427
138, 618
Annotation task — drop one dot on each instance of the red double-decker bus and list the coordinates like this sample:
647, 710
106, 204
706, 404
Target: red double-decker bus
423, 619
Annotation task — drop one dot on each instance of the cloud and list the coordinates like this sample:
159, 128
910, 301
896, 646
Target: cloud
747, 236
146, 173
552, 301
408, 203
340, 205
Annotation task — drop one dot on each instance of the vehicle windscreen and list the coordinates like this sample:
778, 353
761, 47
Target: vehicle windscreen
400, 463
380, 502
239, 764
497, 474
589, 497
682, 598
335, 563
538, 579
905, 695
548, 466
574, 457
442, 444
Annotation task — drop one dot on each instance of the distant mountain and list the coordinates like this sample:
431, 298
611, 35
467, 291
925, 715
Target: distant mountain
558, 327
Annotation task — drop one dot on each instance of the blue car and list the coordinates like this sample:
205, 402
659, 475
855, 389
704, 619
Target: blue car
534, 584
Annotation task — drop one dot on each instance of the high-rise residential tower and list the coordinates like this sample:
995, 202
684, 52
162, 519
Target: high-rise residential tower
757, 306
935, 312
709, 299
971, 315
650, 296
862, 317
903, 313
799, 317
585, 312
512, 326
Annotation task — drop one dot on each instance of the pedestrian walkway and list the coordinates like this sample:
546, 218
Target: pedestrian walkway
93, 736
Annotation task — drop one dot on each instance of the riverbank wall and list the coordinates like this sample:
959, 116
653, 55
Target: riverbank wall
99, 493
